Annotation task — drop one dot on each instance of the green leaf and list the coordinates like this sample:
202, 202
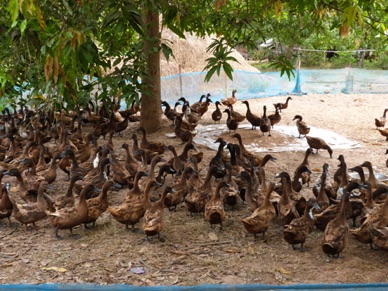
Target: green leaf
13, 8
23, 26
66, 4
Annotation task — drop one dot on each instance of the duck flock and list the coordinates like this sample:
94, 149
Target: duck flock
37, 144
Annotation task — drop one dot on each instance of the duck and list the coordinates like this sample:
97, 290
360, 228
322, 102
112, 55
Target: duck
230, 195
299, 228
151, 146
318, 143
301, 125
380, 122
251, 196
153, 216
195, 181
259, 221
141, 154
22, 187
372, 214
379, 236
196, 199
386, 162
284, 105
253, 119
164, 170
173, 199
204, 106
130, 212
286, 206
131, 165
118, 172
169, 112
214, 209
31, 213
75, 168
182, 134
322, 199
230, 100
335, 236
98, 205
236, 115
301, 176
70, 217
231, 123
97, 179
68, 199
176, 162
135, 192
275, 118
196, 105
383, 132
6, 205
184, 156
246, 153
304, 165
191, 116
217, 114
296, 197
50, 174
265, 122
376, 183
217, 161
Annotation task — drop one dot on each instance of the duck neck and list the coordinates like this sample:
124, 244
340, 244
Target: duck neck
147, 191
69, 192
217, 195
268, 194
233, 159
135, 146
344, 202
369, 201
40, 199
285, 192
322, 197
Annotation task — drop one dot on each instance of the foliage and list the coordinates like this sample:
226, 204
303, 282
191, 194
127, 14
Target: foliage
67, 49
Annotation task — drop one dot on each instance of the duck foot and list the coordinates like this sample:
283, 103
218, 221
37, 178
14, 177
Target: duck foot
75, 236
161, 238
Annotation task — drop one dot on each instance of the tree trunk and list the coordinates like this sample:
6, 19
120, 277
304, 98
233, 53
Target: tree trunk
151, 115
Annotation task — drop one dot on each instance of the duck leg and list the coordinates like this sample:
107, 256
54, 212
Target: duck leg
57, 235
161, 238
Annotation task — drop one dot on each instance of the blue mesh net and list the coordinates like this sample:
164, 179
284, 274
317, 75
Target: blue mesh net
252, 85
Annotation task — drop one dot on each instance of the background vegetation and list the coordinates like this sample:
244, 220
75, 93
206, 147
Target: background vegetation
61, 51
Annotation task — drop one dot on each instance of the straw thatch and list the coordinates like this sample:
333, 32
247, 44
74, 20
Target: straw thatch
190, 54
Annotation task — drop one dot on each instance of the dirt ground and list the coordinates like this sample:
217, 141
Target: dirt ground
194, 253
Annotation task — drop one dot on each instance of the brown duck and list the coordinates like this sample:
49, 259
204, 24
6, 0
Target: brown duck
335, 237
284, 105
98, 205
299, 228
318, 143
259, 221
301, 125
153, 216
230, 100
214, 209
69, 217
253, 119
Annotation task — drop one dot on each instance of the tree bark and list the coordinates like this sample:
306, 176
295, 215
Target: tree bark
151, 117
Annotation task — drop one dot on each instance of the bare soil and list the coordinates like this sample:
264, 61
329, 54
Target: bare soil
193, 252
